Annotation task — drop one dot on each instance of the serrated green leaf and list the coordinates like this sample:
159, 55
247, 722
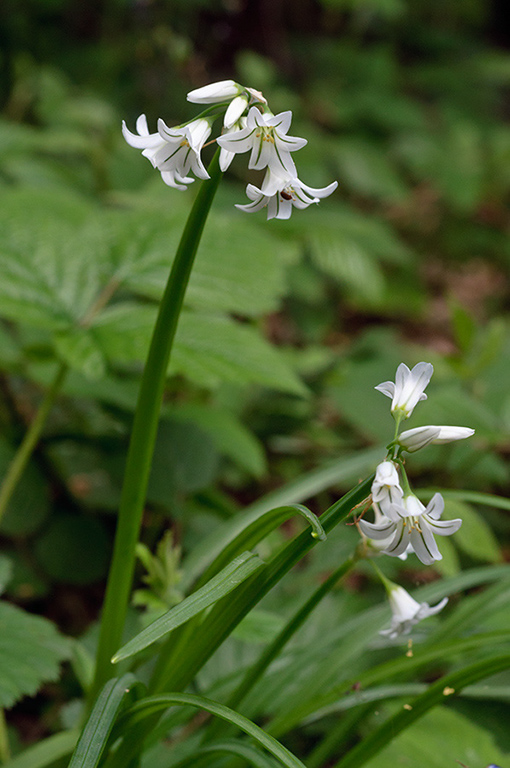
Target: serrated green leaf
219, 586
232, 438
208, 349
31, 651
78, 348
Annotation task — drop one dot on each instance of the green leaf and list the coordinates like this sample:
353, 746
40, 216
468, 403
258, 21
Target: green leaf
31, 651
208, 349
241, 749
29, 505
154, 704
5, 572
232, 438
78, 348
443, 737
74, 549
372, 744
46, 752
238, 268
260, 518
219, 586
474, 537
95, 734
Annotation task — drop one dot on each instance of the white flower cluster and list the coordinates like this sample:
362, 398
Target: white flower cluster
402, 523
248, 126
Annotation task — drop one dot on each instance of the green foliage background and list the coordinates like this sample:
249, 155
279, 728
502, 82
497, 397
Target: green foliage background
287, 327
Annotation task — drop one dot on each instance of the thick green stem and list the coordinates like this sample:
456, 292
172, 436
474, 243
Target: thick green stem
144, 431
22, 456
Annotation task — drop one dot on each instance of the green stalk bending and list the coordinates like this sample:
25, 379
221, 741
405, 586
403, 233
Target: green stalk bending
144, 432
22, 456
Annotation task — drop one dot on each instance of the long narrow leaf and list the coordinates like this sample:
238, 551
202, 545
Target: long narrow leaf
448, 686
297, 491
152, 705
219, 586
95, 735
46, 752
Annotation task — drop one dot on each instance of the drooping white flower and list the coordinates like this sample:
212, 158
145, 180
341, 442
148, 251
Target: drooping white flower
281, 194
386, 488
226, 90
414, 439
173, 151
406, 611
266, 136
410, 522
408, 388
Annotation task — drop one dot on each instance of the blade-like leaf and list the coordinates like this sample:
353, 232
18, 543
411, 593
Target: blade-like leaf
95, 734
222, 584
152, 705
46, 752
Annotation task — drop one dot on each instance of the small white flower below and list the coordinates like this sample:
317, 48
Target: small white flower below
406, 611
281, 195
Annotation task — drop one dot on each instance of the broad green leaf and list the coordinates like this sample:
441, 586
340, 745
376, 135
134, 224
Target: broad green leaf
74, 549
443, 737
29, 504
219, 586
46, 752
366, 169
31, 651
208, 349
95, 734
78, 348
232, 438
474, 537
238, 268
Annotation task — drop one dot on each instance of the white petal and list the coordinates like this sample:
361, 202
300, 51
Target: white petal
387, 388
435, 507
235, 110
448, 434
214, 92
140, 142
445, 527
414, 439
381, 530
226, 158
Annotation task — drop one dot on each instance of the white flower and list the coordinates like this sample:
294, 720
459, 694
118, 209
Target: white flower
378, 546
225, 90
414, 439
406, 611
281, 194
408, 388
386, 488
266, 136
173, 151
410, 522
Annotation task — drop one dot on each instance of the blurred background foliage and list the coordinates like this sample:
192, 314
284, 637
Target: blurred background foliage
288, 325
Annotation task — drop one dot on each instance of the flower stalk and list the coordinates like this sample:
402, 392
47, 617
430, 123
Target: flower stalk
144, 432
